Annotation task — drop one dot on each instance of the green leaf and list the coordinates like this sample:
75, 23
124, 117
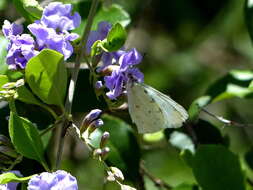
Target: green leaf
113, 14
11, 177
3, 80
30, 9
3, 4
33, 7
215, 167
248, 12
234, 84
47, 76
181, 141
207, 133
184, 187
26, 96
25, 138
3, 52
115, 38
196, 106
249, 158
237, 83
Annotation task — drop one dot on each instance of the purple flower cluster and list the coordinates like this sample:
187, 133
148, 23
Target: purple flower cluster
21, 47
126, 60
59, 180
11, 185
124, 73
52, 32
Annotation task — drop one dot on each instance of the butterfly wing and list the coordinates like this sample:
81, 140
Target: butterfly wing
175, 115
152, 110
143, 109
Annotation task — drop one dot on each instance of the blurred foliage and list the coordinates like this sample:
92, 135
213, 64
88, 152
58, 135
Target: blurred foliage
189, 48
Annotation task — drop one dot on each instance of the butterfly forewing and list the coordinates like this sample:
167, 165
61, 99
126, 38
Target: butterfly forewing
143, 109
152, 110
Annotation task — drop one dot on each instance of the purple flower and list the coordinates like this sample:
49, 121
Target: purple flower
99, 34
48, 38
10, 30
132, 57
59, 180
109, 58
11, 185
124, 73
20, 50
59, 17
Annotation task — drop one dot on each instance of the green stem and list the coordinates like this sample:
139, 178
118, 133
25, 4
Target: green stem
74, 76
12, 106
50, 111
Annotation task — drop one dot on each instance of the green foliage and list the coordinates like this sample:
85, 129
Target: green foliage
3, 52
11, 177
26, 96
115, 38
235, 84
248, 11
47, 76
113, 14
181, 141
215, 167
30, 9
3, 80
26, 139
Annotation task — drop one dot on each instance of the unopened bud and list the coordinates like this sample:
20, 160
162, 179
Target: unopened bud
105, 152
104, 139
9, 85
93, 115
94, 125
115, 174
5, 141
19, 83
8, 151
97, 152
5, 159
98, 85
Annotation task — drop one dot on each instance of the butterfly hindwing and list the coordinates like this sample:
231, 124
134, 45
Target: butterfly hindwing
152, 111
144, 111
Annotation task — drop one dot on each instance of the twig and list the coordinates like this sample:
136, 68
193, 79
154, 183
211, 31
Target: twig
158, 182
71, 89
226, 121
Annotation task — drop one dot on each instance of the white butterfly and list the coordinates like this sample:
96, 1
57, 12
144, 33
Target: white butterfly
152, 110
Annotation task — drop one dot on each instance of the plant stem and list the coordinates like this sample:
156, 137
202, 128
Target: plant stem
158, 182
74, 76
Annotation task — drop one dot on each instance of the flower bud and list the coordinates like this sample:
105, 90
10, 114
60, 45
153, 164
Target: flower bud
105, 152
98, 85
19, 83
104, 139
5, 141
9, 85
94, 125
115, 174
8, 151
97, 152
5, 159
93, 115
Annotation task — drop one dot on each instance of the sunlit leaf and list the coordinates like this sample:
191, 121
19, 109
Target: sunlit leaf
47, 76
